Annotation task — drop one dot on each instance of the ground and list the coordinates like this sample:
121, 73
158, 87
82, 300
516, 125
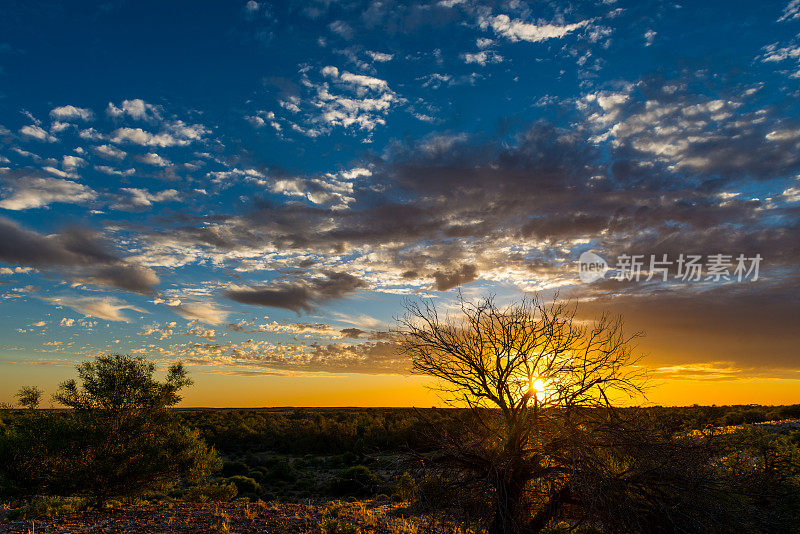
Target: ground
373, 517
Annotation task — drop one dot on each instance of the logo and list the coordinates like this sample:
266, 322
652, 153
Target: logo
591, 267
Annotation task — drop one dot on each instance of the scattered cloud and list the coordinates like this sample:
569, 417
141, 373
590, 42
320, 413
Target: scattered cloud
518, 30
23, 191
105, 308
483, 57
380, 57
78, 253
136, 109
37, 132
205, 312
68, 113
299, 295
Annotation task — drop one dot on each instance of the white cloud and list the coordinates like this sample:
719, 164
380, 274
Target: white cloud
141, 198
792, 194
364, 81
255, 120
200, 331
136, 136
90, 134
110, 152
341, 28
436, 80
356, 172
106, 308
262, 118
66, 113
37, 132
380, 57
70, 163
34, 192
356, 100
517, 30
205, 312
483, 57
58, 126
791, 11
152, 158
329, 190
136, 109
58, 172
176, 133
105, 169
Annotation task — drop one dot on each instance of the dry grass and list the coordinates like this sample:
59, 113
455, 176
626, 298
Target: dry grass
364, 517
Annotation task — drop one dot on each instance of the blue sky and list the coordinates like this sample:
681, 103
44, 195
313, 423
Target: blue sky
255, 187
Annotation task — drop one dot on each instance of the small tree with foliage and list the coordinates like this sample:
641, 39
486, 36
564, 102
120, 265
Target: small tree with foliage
120, 437
29, 396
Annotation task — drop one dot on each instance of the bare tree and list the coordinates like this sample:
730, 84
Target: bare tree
539, 386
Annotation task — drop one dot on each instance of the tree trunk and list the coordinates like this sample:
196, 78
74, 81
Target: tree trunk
549, 512
507, 508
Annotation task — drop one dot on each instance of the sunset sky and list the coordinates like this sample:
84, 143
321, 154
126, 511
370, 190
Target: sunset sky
255, 188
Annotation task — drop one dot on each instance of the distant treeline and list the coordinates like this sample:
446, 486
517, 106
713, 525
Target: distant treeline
372, 430
331, 431
308, 431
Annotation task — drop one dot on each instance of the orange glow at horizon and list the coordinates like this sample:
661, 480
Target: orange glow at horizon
236, 391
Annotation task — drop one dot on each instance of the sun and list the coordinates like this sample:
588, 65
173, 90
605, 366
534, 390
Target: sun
538, 385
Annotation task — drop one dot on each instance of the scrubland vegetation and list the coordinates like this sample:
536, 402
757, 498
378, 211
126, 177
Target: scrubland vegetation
330, 470
535, 447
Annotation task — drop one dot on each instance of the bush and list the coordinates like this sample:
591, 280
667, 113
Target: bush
750, 416
754, 415
230, 469
245, 484
211, 492
790, 412
48, 506
279, 469
356, 480
406, 487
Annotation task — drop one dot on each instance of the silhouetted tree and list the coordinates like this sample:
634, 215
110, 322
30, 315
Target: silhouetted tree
29, 396
541, 429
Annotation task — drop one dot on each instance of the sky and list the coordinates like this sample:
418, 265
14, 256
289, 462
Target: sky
256, 188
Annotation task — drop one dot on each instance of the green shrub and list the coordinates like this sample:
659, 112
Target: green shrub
279, 469
356, 480
349, 458
406, 487
211, 492
230, 469
754, 415
257, 475
48, 506
245, 484
790, 412
749, 416
119, 439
